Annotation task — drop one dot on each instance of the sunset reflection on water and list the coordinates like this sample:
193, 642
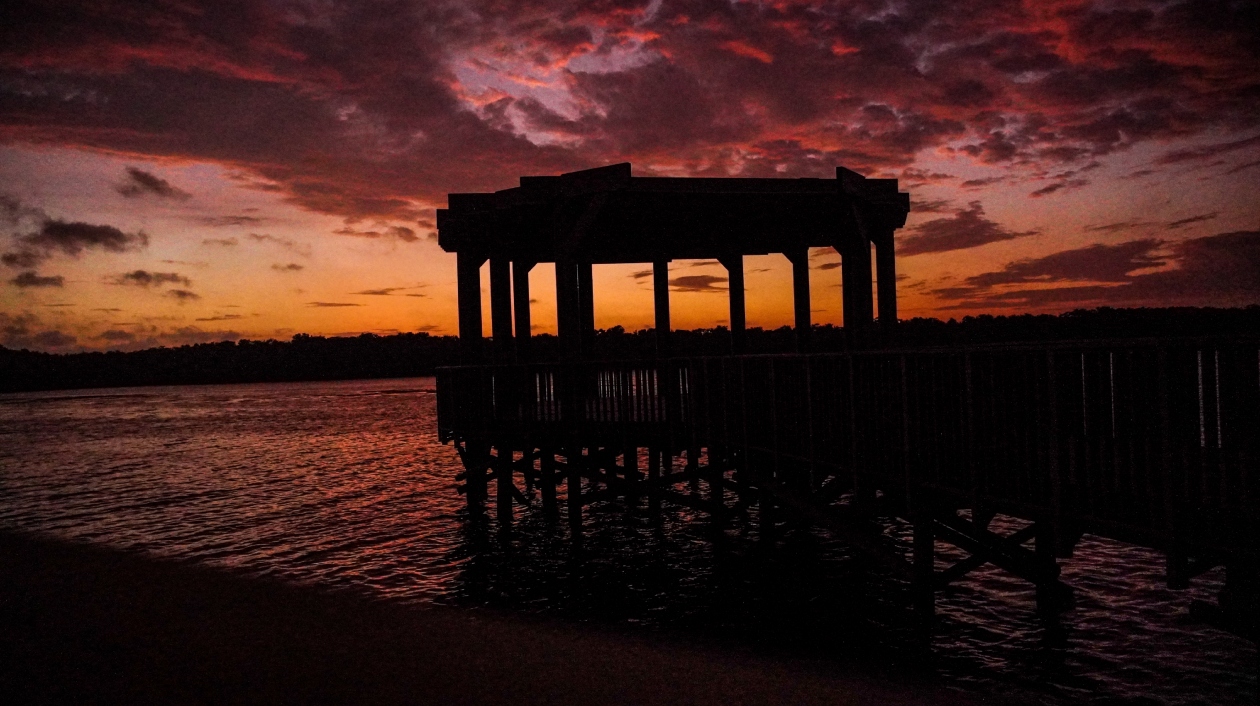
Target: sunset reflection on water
342, 485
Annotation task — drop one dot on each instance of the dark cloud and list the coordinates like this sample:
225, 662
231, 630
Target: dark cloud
385, 292
1216, 270
145, 278
403, 233
359, 109
142, 183
697, 283
32, 279
230, 221
1198, 154
222, 317
220, 242
1173, 225
290, 267
70, 238
182, 295
117, 336
1059, 186
322, 305
25, 330
286, 243
968, 228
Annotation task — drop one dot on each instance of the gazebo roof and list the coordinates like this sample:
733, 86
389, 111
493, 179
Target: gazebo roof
605, 215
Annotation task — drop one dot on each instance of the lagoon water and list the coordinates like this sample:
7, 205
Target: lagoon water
343, 486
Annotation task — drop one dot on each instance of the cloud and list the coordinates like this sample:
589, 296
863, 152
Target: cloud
321, 305
968, 228
24, 331
117, 336
70, 238
697, 283
1216, 270
31, 279
221, 317
182, 295
1173, 225
403, 233
373, 112
284, 243
145, 278
290, 267
142, 183
220, 242
230, 221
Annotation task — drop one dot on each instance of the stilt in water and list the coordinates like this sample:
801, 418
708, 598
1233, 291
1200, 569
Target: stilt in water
547, 470
503, 488
573, 464
922, 590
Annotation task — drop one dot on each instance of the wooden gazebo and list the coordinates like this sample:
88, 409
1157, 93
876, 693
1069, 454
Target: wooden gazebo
605, 215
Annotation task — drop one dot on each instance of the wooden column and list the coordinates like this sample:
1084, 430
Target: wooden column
501, 307
573, 465
568, 309
886, 279
503, 487
547, 469
734, 265
468, 275
520, 307
660, 290
654, 477
855, 268
800, 295
586, 305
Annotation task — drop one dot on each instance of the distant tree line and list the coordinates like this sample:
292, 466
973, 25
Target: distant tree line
414, 354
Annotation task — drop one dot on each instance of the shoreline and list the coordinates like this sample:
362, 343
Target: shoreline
81, 623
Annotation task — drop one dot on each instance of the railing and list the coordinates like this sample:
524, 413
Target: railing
1155, 441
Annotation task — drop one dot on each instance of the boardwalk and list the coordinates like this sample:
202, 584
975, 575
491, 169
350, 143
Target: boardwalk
1152, 442
1148, 442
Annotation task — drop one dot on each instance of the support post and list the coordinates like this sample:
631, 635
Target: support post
547, 467
886, 280
586, 305
501, 307
520, 307
503, 487
660, 292
468, 275
573, 465
924, 600
855, 268
568, 309
800, 295
734, 265
654, 477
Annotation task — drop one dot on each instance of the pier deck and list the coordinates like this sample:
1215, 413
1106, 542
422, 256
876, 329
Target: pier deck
1151, 442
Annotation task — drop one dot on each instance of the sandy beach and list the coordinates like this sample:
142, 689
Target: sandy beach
85, 624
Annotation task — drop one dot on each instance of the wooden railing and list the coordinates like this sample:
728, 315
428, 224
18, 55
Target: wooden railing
1152, 441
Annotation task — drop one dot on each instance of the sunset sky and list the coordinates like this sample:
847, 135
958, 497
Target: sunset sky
184, 171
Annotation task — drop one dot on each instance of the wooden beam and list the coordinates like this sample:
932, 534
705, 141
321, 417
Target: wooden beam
800, 295
520, 307
886, 279
468, 276
734, 265
568, 309
660, 292
586, 305
501, 307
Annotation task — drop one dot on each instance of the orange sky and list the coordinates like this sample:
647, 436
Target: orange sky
242, 169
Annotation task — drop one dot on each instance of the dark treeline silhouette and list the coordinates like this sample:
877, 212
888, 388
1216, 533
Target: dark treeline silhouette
414, 354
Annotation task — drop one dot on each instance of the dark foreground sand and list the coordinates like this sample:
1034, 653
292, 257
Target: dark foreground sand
81, 624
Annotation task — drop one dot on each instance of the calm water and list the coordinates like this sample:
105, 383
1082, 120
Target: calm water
343, 485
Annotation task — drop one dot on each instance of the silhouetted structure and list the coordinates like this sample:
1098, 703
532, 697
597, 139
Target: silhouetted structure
1148, 441
604, 215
